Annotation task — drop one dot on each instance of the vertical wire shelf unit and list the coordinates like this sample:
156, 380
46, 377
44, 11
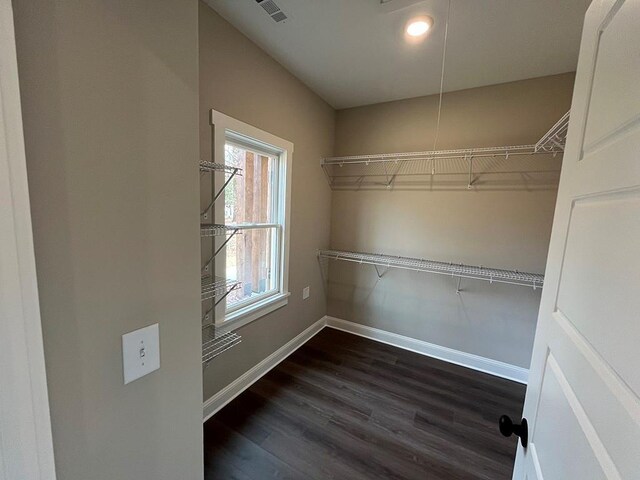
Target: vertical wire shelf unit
532, 165
216, 339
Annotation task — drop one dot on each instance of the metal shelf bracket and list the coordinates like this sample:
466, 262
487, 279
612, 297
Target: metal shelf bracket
217, 167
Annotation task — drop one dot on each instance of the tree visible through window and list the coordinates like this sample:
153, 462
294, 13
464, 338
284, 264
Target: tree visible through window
251, 201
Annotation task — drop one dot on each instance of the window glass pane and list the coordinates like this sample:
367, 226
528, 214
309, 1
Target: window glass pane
249, 198
251, 259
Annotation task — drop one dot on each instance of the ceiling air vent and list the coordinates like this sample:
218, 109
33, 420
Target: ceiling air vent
279, 16
272, 9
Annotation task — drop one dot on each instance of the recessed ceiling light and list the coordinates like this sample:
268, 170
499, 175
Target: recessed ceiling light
419, 26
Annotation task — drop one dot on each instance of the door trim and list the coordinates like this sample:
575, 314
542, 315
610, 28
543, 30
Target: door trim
26, 444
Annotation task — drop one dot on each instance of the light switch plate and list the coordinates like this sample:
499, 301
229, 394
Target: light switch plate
305, 293
140, 352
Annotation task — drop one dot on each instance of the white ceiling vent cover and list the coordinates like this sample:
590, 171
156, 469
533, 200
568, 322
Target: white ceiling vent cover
272, 9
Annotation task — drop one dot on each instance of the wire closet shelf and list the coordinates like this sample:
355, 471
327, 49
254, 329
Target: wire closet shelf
458, 270
217, 340
217, 288
230, 173
216, 230
208, 230
416, 168
219, 167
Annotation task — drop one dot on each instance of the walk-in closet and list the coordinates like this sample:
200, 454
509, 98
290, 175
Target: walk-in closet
420, 222
319, 240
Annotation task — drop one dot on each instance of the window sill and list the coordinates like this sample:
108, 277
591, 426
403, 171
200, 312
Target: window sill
248, 314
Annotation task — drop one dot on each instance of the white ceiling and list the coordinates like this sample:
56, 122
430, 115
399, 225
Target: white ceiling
353, 52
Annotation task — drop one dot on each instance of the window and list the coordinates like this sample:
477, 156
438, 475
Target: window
256, 203
251, 202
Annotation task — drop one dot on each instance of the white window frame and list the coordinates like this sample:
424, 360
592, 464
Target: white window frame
224, 128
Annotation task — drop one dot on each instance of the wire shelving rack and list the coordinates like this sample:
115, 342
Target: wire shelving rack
416, 169
215, 230
229, 171
217, 340
217, 288
219, 167
556, 138
457, 270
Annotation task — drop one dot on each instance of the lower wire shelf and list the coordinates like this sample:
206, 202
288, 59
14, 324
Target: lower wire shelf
459, 270
217, 340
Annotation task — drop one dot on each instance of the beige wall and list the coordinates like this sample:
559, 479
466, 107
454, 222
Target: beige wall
239, 79
109, 94
504, 229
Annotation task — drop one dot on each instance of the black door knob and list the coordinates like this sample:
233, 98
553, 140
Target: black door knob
508, 428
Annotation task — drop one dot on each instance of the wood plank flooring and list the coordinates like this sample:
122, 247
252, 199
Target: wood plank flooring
344, 407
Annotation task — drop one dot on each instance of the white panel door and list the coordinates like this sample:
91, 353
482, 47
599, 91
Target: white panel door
583, 399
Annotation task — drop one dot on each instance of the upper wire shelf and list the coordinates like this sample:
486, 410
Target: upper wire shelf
556, 138
484, 166
216, 340
217, 287
458, 270
229, 171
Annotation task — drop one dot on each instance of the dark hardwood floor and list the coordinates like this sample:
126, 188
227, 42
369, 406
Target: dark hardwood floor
344, 407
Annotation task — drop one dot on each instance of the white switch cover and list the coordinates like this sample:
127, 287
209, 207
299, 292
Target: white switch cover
305, 293
140, 352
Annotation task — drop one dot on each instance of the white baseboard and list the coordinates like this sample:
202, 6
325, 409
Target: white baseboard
469, 360
235, 388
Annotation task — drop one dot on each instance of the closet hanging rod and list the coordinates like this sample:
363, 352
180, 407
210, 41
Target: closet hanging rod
513, 277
